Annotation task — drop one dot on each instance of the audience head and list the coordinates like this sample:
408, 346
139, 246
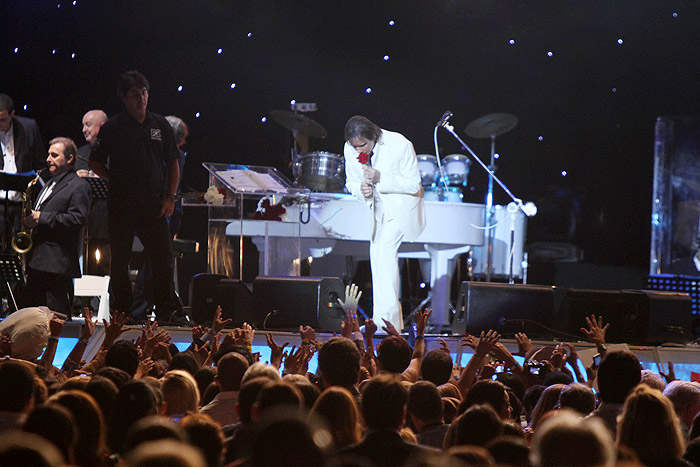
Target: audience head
124, 355
653, 380
89, 422
339, 410
383, 402
136, 400
513, 382
184, 361
339, 363
27, 449
566, 439
477, 426
180, 393
151, 428
75, 382
649, 426
436, 367
230, 371
692, 452
487, 391
115, 375
165, 453
557, 377
685, 397
619, 372
532, 395
204, 377
204, 434
471, 455
449, 390
450, 408
277, 396
247, 397
16, 387
309, 392
260, 370
424, 405
393, 354
510, 450
56, 424
577, 397
548, 402
296, 442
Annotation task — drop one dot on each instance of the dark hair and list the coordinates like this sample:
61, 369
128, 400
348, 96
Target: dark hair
278, 394
89, 422
424, 401
619, 372
532, 395
204, 434
509, 450
230, 370
204, 378
105, 392
361, 127
436, 367
129, 79
115, 375
692, 451
477, 426
485, 391
512, 382
234, 348
184, 361
151, 428
294, 443
394, 354
515, 404
16, 386
339, 362
557, 377
309, 392
578, 397
54, 423
136, 400
247, 397
6, 103
124, 355
383, 401
69, 148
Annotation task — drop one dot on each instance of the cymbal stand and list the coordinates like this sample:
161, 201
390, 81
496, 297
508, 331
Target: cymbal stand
489, 198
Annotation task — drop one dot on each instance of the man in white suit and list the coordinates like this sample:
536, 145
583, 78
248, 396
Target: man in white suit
388, 183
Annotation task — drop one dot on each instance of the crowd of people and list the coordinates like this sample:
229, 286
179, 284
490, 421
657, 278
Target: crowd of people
143, 403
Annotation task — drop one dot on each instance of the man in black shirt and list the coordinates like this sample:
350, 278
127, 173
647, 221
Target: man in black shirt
143, 176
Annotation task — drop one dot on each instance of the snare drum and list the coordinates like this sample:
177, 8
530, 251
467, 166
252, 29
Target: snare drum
428, 168
456, 169
452, 195
320, 171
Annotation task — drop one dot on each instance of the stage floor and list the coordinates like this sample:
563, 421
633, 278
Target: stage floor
686, 358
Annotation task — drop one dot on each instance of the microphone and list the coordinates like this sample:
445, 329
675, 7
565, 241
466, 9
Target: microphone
444, 119
502, 320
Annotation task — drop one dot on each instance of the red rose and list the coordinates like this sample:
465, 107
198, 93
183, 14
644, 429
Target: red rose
363, 158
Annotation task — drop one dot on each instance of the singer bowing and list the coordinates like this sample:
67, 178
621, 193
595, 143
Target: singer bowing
382, 172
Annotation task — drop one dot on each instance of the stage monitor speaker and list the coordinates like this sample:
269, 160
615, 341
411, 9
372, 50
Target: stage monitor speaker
207, 291
643, 317
506, 308
285, 303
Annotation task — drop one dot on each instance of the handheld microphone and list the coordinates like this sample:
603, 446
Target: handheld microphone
444, 119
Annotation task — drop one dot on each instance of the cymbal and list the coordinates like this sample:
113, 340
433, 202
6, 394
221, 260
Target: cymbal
298, 124
491, 125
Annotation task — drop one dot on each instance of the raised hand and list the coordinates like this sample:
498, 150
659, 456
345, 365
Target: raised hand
444, 347
422, 321
144, 368
307, 334
243, 336
114, 329
596, 331
671, 375
88, 325
218, 324
276, 351
390, 329
486, 343
162, 352
56, 326
294, 361
524, 343
469, 341
352, 298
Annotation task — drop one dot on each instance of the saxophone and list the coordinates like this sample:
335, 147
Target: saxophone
22, 241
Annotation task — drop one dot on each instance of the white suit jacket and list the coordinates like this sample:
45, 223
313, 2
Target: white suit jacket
399, 187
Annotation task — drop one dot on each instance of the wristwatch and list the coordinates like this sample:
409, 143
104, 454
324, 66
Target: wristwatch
172, 196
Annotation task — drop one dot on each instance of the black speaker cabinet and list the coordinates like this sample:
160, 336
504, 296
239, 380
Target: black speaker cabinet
636, 316
285, 303
207, 291
506, 308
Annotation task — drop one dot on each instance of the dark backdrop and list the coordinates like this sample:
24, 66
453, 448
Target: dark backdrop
588, 109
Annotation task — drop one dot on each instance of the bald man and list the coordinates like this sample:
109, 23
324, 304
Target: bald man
92, 122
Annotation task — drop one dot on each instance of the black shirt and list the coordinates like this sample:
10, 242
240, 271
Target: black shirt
137, 155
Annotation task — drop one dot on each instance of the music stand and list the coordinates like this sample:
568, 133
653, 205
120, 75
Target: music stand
98, 190
11, 271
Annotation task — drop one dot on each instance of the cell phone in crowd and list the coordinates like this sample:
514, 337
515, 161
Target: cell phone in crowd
596, 360
500, 368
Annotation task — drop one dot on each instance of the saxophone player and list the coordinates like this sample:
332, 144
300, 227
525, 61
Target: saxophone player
59, 213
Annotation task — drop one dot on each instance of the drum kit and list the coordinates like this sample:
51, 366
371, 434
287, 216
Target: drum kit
444, 180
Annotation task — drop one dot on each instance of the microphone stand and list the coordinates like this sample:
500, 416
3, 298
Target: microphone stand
519, 206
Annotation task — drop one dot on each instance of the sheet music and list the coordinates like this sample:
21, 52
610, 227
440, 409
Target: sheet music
249, 180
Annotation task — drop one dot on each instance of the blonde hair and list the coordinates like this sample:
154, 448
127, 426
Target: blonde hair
180, 393
338, 408
649, 425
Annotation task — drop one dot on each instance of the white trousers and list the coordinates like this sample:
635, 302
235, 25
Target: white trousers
384, 261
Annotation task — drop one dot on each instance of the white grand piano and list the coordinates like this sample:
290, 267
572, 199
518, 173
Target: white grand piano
338, 224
